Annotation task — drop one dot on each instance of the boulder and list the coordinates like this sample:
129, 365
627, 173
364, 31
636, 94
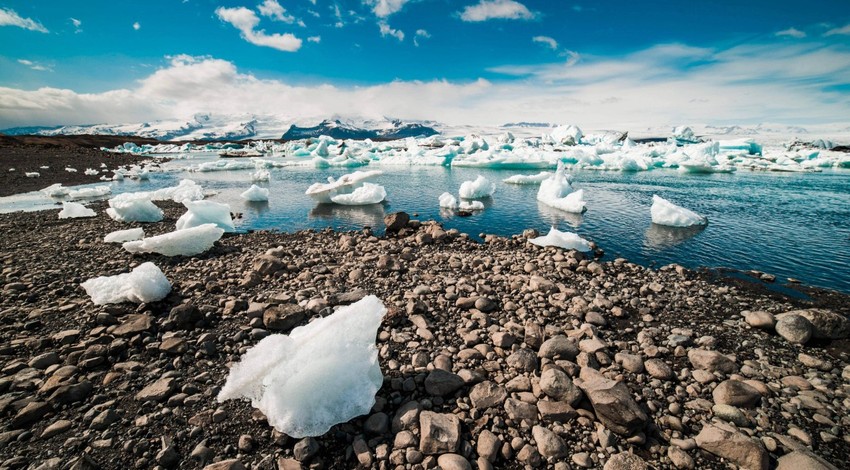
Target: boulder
613, 403
724, 441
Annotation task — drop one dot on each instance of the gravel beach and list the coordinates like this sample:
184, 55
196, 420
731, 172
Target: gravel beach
495, 355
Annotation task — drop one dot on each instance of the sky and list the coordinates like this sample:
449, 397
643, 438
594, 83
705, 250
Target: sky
600, 64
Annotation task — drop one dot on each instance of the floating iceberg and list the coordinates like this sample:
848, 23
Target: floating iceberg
447, 201
323, 192
260, 175
186, 190
566, 135
321, 374
565, 240
369, 193
55, 190
556, 192
665, 212
528, 179
256, 194
89, 193
186, 242
131, 207
471, 206
121, 236
205, 212
478, 189
74, 210
144, 284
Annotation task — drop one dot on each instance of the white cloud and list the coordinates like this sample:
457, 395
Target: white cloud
35, 65
791, 33
338, 15
246, 21
385, 8
316, 39
387, 30
77, 25
137, 26
843, 31
420, 33
496, 9
9, 17
553, 44
272, 9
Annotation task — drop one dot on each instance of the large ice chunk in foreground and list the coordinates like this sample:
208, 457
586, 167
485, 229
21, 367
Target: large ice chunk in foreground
131, 207
256, 194
665, 212
146, 283
556, 192
478, 189
528, 179
121, 236
74, 210
322, 374
447, 201
565, 240
186, 242
205, 212
369, 193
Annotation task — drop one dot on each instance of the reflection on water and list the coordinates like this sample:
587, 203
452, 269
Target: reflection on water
554, 216
257, 207
371, 215
662, 236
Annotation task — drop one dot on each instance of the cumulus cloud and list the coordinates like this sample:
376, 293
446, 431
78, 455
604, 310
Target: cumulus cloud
387, 30
137, 26
385, 8
9, 17
420, 33
77, 25
496, 9
315, 39
843, 31
791, 33
272, 9
246, 21
553, 44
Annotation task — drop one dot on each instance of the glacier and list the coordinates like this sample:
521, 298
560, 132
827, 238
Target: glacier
75, 210
255, 194
565, 240
185, 242
145, 283
666, 213
205, 212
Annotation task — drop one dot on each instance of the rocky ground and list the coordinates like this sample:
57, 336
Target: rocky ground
495, 355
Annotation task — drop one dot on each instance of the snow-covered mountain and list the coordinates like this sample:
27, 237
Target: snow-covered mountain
339, 129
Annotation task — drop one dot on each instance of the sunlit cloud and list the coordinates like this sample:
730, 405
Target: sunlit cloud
553, 44
386, 30
792, 33
246, 21
9, 17
486, 10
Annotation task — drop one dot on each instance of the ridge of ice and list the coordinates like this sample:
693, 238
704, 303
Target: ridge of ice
185, 242
665, 212
205, 212
75, 210
565, 240
145, 283
480, 188
255, 194
121, 236
368, 193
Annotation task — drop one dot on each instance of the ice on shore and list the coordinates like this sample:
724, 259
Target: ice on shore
666, 213
55, 190
186, 190
447, 201
70, 170
75, 210
565, 240
133, 207
91, 172
185, 242
528, 179
121, 236
321, 374
480, 188
32, 174
557, 192
205, 212
145, 283
255, 194
260, 175
324, 192
369, 193
90, 193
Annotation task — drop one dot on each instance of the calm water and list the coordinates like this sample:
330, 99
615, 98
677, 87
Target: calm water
790, 225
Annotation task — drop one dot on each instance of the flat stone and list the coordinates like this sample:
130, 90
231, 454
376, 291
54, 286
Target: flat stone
440, 433
612, 402
724, 441
231, 464
57, 427
731, 414
283, 317
441, 383
658, 369
487, 394
134, 324
760, 319
30, 414
519, 410
736, 393
558, 347
555, 411
158, 391
803, 460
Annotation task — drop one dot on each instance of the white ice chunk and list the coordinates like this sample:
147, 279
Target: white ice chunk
205, 212
70, 170
32, 174
369, 193
74, 210
478, 189
565, 240
256, 194
556, 192
91, 172
323, 192
56, 190
144, 284
186, 190
665, 212
117, 176
471, 206
186, 242
121, 236
566, 135
260, 175
528, 179
684, 133
447, 201
133, 207
87, 193
321, 374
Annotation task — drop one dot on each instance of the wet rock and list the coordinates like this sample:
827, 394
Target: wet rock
396, 221
726, 442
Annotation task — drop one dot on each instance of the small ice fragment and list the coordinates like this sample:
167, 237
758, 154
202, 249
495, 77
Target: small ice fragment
447, 201
565, 240
70, 170
186, 190
369, 193
87, 193
471, 206
121, 236
55, 190
480, 188
186, 242
556, 192
205, 212
323, 192
32, 174
665, 212
321, 374
145, 283
133, 207
256, 194
74, 210
261, 175
528, 179
91, 172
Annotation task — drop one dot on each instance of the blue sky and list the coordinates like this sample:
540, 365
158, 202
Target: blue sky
476, 61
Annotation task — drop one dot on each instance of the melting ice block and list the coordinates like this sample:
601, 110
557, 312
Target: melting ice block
133, 207
55, 190
186, 190
471, 206
480, 188
556, 192
261, 175
121, 236
87, 193
665, 212
447, 201
74, 210
321, 374
205, 212
146, 283
369, 193
323, 192
186, 242
565, 240
256, 194
528, 179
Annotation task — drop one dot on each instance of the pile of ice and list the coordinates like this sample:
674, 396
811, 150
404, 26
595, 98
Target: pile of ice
260, 176
133, 207
480, 188
556, 191
565, 240
665, 212
447, 201
121, 236
346, 184
206, 212
565, 135
255, 194
528, 179
91, 172
185, 242
74, 210
145, 283
321, 374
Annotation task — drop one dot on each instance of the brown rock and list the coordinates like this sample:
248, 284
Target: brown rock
440, 433
613, 403
724, 441
134, 324
283, 317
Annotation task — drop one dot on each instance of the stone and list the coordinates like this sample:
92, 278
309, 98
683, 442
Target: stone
185, 315
523, 360
625, 461
30, 414
558, 385
283, 317
378, 423
134, 324
105, 419
43, 361
658, 369
440, 433
485, 304
549, 444
555, 411
231, 464
306, 448
158, 391
711, 361
794, 328
612, 402
362, 451
487, 394
558, 347
736, 393
680, 458
488, 445
724, 441
826, 324
453, 462
396, 221
266, 265
441, 383
731, 414
406, 417
519, 410
631, 362
57, 427
71, 393
803, 460
760, 319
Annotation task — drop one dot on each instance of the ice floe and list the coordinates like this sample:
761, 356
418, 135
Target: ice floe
185, 242
368, 193
133, 207
260, 176
447, 201
56, 190
90, 193
255, 194
75, 210
205, 212
566, 135
528, 179
345, 184
121, 236
145, 283
556, 191
565, 240
480, 188
666, 213
471, 206
32, 174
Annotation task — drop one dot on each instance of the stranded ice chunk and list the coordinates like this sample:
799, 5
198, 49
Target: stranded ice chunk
186, 190
478, 189
74, 210
186, 242
256, 194
322, 374
144, 284
665, 212
369, 193
565, 240
121, 236
93, 192
205, 212
528, 179
55, 190
447, 201
132, 207
556, 192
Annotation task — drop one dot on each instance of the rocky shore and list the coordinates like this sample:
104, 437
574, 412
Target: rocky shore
495, 355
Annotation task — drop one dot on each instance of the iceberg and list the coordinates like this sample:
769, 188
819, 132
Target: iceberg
665, 212
260, 175
205, 212
186, 190
145, 283
186, 242
132, 207
566, 135
321, 374
75, 210
471, 206
528, 179
369, 193
55, 190
565, 240
256, 194
684, 134
323, 192
480, 188
89, 193
447, 201
121, 236
556, 192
